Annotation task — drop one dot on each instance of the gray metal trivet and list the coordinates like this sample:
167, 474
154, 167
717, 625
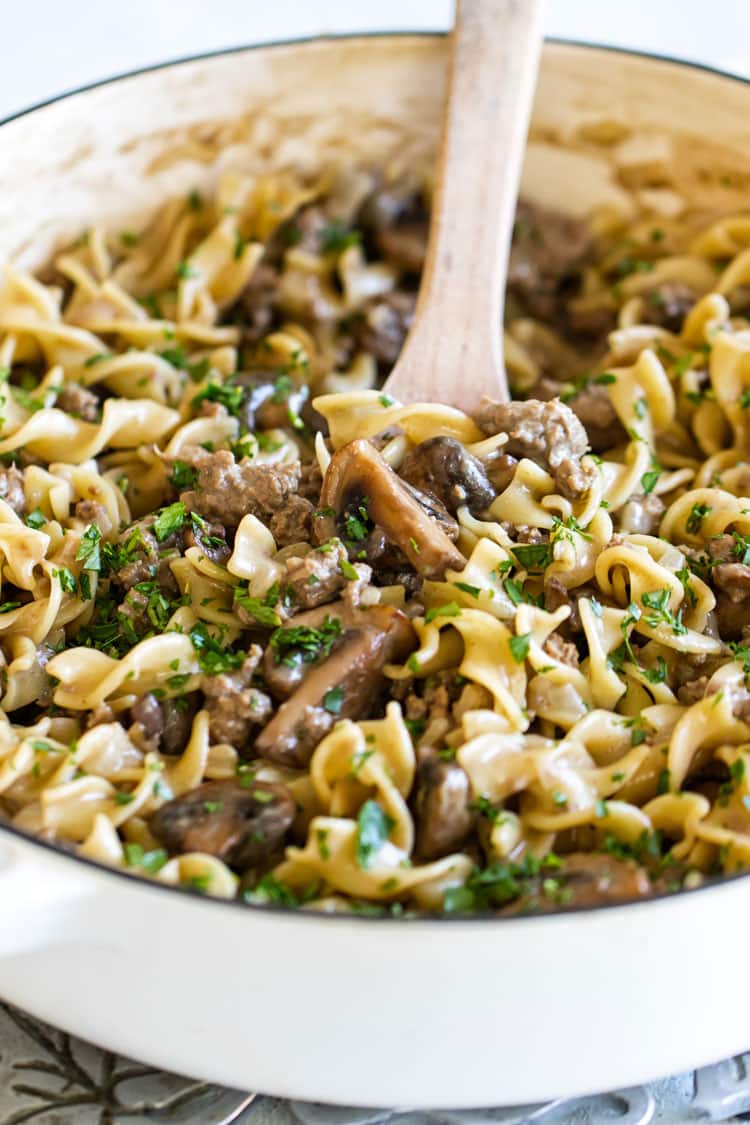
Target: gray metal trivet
49, 1078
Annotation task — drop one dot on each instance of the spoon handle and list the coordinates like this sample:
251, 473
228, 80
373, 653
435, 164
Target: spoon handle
453, 353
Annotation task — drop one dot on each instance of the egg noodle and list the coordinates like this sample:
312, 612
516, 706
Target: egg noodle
500, 730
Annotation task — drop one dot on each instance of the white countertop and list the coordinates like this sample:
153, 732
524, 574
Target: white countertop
49, 47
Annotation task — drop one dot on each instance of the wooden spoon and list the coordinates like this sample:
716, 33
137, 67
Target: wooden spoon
453, 353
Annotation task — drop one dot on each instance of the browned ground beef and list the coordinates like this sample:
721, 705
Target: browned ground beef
79, 401
548, 433
11, 489
316, 577
293, 522
234, 707
227, 490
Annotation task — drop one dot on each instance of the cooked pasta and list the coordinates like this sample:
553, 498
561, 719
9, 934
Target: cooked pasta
267, 633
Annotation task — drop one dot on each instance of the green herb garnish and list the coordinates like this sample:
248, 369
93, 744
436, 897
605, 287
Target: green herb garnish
373, 826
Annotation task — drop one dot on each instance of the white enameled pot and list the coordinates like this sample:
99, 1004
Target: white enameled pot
431, 1013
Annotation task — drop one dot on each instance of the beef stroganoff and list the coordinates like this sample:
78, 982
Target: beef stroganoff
268, 633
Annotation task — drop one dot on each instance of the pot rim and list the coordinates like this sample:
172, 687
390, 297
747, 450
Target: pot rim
344, 36
299, 914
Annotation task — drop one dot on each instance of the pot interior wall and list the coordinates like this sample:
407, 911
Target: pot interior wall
611, 132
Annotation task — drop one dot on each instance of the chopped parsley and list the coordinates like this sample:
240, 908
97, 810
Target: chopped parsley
533, 556
262, 796
158, 606
519, 647
648, 845
618, 656
562, 529
199, 883
694, 522
450, 609
357, 524
170, 520
182, 475
151, 861
36, 519
741, 653
684, 363
271, 889
323, 849
66, 579
92, 360
267, 444
514, 590
226, 394
684, 574
627, 266
333, 700
335, 237
639, 730
213, 657
303, 643
282, 388
581, 382
88, 550
658, 674
658, 602
175, 356
373, 826
262, 609
117, 555
500, 883
415, 727
472, 591
26, 400
649, 480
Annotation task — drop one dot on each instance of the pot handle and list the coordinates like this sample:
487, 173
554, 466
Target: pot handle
41, 897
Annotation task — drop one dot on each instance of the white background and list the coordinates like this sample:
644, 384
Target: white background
48, 46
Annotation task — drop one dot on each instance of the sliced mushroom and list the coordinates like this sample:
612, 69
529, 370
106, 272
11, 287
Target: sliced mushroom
501, 470
442, 467
434, 507
263, 406
165, 724
357, 471
443, 818
242, 826
585, 879
405, 243
343, 686
283, 677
